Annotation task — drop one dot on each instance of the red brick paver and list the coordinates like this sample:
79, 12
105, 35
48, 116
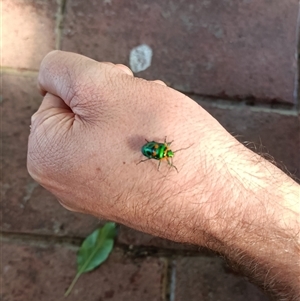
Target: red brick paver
205, 279
230, 48
44, 272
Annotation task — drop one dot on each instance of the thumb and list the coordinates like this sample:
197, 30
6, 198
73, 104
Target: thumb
82, 83
51, 104
52, 111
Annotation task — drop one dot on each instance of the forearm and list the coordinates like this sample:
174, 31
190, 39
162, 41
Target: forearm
255, 222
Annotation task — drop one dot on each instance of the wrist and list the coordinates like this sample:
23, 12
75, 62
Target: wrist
255, 221
253, 198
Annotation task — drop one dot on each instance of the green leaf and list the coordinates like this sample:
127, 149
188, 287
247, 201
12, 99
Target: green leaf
94, 250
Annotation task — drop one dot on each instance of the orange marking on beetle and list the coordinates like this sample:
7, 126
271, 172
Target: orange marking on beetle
165, 151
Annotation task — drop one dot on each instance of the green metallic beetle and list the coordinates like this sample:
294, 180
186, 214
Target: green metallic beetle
159, 151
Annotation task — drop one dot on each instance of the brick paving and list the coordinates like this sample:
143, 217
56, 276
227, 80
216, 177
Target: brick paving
225, 48
44, 272
275, 134
205, 278
233, 50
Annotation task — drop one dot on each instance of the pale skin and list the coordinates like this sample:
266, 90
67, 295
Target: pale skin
85, 144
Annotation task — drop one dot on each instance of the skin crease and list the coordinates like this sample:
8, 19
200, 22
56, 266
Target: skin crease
85, 144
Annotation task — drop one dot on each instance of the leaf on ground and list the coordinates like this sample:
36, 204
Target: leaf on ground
94, 250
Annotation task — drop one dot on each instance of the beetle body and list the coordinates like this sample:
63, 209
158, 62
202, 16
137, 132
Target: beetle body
158, 151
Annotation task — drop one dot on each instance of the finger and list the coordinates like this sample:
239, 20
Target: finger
159, 82
66, 74
49, 102
58, 73
52, 101
124, 69
67, 207
108, 63
121, 67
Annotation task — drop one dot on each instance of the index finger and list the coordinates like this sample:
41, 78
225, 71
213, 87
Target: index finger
65, 74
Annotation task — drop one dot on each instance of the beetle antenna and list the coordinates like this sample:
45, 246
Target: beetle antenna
143, 161
178, 150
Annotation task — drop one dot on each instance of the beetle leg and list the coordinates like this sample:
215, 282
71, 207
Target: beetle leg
175, 168
143, 161
170, 162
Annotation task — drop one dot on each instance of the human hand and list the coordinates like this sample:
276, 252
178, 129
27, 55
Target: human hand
86, 138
